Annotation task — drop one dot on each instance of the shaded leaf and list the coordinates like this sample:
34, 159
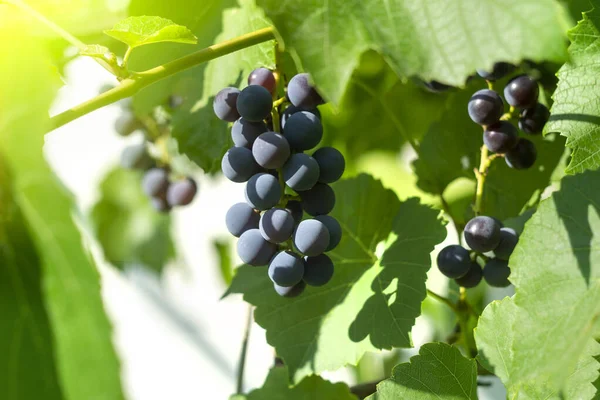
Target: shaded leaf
142, 30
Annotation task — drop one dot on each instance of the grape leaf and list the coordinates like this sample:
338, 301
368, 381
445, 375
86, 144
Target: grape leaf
276, 387
439, 372
142, 30
60, 291
371, 302
541, 341
94, 50
436, 39
576, 109
127, 226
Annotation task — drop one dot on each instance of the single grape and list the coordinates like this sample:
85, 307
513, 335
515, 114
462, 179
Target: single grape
522, 92
181, 193
254, 103
472, 277
238, 164
263, 191
482, 234
500, 137
533, 119
303, 130
244, 133
508, 241
454, 261
311, 237
334, 228
292, 109
295, 207
160, 204
286, 269
263, 77
331, 164
496, 273
136, 157
241, 218
292, 291
224, 104
319, 200
301, 93
271, 150
522, 156
301, 172
277, 225
436, 87
499, 71
253, 249
318, 270
127, 123
485, 107
156, 182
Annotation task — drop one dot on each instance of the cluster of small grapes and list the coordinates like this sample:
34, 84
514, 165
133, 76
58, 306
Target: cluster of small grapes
483, 235
270, 224
486, 108
158, 183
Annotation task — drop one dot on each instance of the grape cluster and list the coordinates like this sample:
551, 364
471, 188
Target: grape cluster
157, 183
270, 224
486, 108
483, 235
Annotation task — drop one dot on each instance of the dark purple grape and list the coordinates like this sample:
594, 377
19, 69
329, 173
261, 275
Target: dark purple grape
303, 130
508, 241
277, 225
241, 218
522, 92
160, 204
302, 93
292, 291
263, 77
301, 172
500, 137
292, 109
127, 123
253, 249
224, 104
271, 150
436, 87
532, 120
156, 182
331, 164
485, 107
319, 200
482, 233
263, 191
499, 71
254, 103
311, 237
286, 269
244, 133
454, 261
181, 193
238, 164
136, 157
472, 277
496, 273
334, 228
318, 270
295, 207
522, 156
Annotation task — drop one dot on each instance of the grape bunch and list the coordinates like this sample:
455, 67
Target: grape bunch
273, 164
483, 235
486, 108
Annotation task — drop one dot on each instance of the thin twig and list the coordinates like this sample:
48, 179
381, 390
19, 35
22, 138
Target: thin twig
243, 352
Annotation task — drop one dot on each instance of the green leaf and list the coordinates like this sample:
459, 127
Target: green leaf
576, 109
439, 372
139, 31
541, 341
94, 50
371, 302
127, 226
61, 289
433, 39
223, 249
276, 387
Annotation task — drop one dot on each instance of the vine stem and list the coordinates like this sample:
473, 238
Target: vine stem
126, 57
138, 81
243, 352
443, 300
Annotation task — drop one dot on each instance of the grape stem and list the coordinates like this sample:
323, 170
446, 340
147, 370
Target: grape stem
138, 81
444, 300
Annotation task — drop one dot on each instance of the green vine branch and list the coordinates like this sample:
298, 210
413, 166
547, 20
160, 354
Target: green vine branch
138, 81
